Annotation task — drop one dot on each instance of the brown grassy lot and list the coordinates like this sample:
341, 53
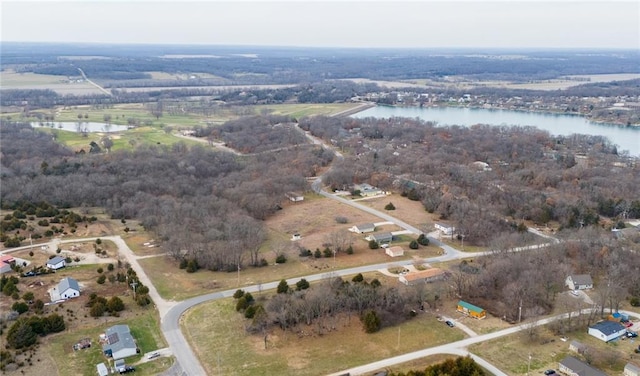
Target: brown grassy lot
406, 210
313, 218
209, 328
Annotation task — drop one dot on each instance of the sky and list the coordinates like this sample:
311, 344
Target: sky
362, 24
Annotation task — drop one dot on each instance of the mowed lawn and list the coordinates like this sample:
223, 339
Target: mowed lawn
217, 335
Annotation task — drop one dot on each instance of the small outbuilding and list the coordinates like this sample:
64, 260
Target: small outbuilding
394, 251
471, 310
56, 263
294, 196
631, 369
102, 370
67, 288
422, 276
579, 282
577, 347
607, 330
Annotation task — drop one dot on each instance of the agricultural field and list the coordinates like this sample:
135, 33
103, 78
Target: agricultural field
9, 79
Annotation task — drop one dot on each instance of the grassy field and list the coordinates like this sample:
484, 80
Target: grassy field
144, 328
209, 328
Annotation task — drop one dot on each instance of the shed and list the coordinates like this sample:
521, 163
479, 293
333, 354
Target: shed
577, 347
120, 343
56, 263
67, 288
631, 369
363, 228
102, 370
422, 276
579, 282
574, 367
394, 251
471, 310
607, 330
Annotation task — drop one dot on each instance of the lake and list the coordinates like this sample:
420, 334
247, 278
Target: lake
85, 126
627, 138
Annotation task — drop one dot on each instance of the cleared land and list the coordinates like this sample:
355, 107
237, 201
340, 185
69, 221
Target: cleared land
209, 328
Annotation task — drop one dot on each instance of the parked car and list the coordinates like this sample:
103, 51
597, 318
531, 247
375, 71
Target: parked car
632, 335
153, 355
450, 323
127, 369
550, 372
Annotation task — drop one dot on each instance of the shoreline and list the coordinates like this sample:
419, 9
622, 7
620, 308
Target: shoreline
598, 122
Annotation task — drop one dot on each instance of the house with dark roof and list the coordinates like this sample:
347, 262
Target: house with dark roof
56, 263
119, 342
574, 367
67, 288
579, 282
607, 330
380, 237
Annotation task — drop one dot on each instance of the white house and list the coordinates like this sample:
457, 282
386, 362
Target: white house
363, 228
56, 263
607, 330
67, 288
394, 251
367, 190
631, 370
422, 276
579, 282
120, 343
380, 237
445, 229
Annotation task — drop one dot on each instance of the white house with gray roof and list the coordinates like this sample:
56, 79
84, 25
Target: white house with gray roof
579, 282
56, 263
607, 330
119, 342
67, 288
363, 228
631, 370
574, 367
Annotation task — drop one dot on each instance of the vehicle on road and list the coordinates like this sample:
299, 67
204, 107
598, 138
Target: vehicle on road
153, 355
450, 323
550, 372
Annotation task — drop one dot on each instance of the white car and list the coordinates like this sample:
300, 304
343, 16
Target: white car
153, 355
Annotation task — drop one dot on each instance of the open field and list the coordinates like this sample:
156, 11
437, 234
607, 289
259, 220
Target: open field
208, 327
299, 110
181, 76
220, 88
9, 79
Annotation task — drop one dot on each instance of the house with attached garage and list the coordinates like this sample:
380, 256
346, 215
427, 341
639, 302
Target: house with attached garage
579, 282
67, 288
607, 330
574, 367
119, 342
56, 263
363, 228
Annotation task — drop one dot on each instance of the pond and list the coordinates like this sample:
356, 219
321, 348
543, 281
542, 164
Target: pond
81, 127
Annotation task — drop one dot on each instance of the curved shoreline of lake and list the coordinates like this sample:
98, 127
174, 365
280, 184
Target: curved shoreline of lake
625, 137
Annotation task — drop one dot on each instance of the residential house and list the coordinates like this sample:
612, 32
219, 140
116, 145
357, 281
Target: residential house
294, 196
579, 282
119, 342
380, 237
67, 288
363, 228
607, 330
422, 276
577, 347
367, 190
631, 370
445, 229
471, 310
5, 263
56, 263
574, 367
394, 251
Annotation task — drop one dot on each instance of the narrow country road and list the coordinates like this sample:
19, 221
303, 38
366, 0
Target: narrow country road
94, 84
